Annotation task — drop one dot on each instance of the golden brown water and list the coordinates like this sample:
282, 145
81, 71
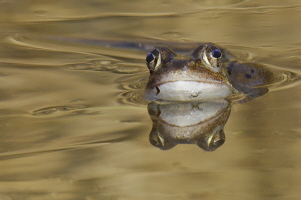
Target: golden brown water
68, 130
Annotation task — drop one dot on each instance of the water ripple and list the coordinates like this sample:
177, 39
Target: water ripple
55, 109
33, 152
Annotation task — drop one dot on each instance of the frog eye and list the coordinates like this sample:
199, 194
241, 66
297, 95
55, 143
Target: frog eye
153, 60
212, 58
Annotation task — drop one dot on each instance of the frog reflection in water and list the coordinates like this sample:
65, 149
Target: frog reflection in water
202, 75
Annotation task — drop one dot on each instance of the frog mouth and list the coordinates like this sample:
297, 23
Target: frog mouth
206, 81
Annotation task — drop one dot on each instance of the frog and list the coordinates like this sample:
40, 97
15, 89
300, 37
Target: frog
204, 75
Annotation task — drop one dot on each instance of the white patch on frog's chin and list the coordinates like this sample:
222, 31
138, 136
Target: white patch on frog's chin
189, 91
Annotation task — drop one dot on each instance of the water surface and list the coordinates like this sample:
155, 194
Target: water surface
72, 125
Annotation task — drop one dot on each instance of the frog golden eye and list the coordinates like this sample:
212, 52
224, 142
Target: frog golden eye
153, 60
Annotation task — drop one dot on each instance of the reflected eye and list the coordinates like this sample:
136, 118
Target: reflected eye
153, 60
216, 53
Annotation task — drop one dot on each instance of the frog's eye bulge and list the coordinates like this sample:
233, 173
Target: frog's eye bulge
211, 57
153, 60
